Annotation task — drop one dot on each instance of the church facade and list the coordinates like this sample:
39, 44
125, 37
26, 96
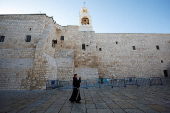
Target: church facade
34, 48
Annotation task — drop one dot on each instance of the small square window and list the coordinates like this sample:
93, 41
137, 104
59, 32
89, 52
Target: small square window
2, 38
133, 47
157, 47
100, 49
62, 37
162, 61
28, 38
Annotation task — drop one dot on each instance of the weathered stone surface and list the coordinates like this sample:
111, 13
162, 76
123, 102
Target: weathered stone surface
28, 65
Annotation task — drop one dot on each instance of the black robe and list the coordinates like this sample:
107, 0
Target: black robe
76, 92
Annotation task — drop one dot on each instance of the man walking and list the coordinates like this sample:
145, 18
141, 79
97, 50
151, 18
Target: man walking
76, 92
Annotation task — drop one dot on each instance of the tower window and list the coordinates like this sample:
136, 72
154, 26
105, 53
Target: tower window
28, 38
162, 61
83, 47
2, 38
134, 48
30, 29
157, 47
116, 42
100, 49
54, 42
62, 37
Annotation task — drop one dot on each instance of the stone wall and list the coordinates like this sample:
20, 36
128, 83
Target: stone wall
120, 60
44, 64
28, 65
15, 28
16, 68
65, 63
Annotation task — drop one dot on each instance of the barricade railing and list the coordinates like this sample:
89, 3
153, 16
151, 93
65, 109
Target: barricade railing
52, 84
130, 80
142, 81
69, 84
94, 82
105, 82
155, 81
165, 80
118, 83
65, 84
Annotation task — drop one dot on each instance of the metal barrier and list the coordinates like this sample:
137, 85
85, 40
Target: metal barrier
52, 84
130, 80
93, 82
142, 81
165, 80
118, 83
155, 81
96, 82
105, 82
69, 84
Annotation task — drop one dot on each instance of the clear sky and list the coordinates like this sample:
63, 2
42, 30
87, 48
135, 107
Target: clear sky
108, 16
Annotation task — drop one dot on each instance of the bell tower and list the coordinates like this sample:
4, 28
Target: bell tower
85, 22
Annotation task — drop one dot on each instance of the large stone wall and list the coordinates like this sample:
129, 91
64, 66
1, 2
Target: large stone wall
44, 64
65, 63
15, 28
120, 60
28, 65
16, 67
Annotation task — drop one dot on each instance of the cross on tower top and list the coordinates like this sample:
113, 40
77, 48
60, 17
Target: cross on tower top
84, 3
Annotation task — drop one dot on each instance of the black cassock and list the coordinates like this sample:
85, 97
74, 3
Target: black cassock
76, 92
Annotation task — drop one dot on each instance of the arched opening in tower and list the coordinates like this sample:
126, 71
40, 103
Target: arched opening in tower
85, 21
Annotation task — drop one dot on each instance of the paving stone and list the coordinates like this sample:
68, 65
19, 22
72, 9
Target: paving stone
90, 106
113, 106
142, 106
158, 108
91, 110
134, 111
151, 111
65, 110
101, 105
77, 109
125, 105
53, 108
104, 111
27, 110
89, 101
118, 111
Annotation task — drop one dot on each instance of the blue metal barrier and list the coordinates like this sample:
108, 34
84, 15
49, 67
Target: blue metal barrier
69, 84
130, 80
165, 80
94, 82
52, 84
105, 82
142, 81
155, 81
118, 83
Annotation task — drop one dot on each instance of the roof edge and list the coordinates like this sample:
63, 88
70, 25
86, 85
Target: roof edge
23, 14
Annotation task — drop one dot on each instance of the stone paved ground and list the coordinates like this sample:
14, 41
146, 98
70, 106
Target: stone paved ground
132, 99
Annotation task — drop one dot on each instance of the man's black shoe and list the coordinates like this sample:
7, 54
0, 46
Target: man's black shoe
78, 102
